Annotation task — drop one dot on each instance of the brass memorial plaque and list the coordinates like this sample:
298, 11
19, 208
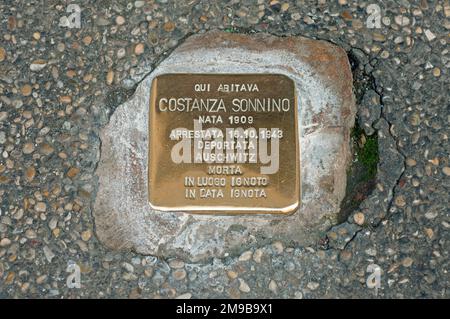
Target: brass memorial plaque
224, 143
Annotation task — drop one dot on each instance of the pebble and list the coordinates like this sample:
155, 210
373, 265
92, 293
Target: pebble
308, 20
411, 162
101, 21
86, 235
139, 49
176, 264
357, 24
139, 4
41, 279
379, 37
400, 201
3, 116
5, 242
312, 285
179, 274
2, 54
40, 207
128, 267
46, 149
384, 54
72, 172
120, 20
431, 215
129, 276
12, 23
10, 278
30, 234
371, 251
347, 15
26, 90
53, 223
430, 35
407, 262
401, 20
169, 26
446, 170
66, 99
434, 161
121, 53
275, 5
429, 232
386, 21
243, 285
48, 254
70, 74
232, 274
110, 77
87, 40
186, 295
19, 214
273, 287
285, 7
296, 16
28, 148
246, 256
345, 255
192, 276
437, 72
257, 255
278, 247
38, 65
359, 218
30, 173
56, 232
415, 119
298, 295
25, 287
398, 40
148, 272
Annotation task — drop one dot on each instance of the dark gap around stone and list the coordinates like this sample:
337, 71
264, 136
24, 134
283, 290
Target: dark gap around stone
361, 176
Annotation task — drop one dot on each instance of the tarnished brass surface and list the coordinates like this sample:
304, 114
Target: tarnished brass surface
199, 167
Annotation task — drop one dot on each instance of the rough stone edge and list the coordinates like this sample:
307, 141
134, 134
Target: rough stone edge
121, 242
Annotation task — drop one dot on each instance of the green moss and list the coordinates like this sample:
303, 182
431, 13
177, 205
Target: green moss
362, 174
369, 156
366, 153
231, 30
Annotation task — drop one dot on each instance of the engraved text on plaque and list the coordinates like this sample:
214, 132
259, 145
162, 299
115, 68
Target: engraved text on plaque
224, 143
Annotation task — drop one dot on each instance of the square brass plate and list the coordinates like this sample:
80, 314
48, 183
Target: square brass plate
223, 143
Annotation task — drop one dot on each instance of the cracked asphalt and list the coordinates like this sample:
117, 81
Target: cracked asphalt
60, 82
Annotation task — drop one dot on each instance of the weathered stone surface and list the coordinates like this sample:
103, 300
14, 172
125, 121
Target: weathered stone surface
124, 219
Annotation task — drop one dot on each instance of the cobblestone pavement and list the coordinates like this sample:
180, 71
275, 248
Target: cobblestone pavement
60, 83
